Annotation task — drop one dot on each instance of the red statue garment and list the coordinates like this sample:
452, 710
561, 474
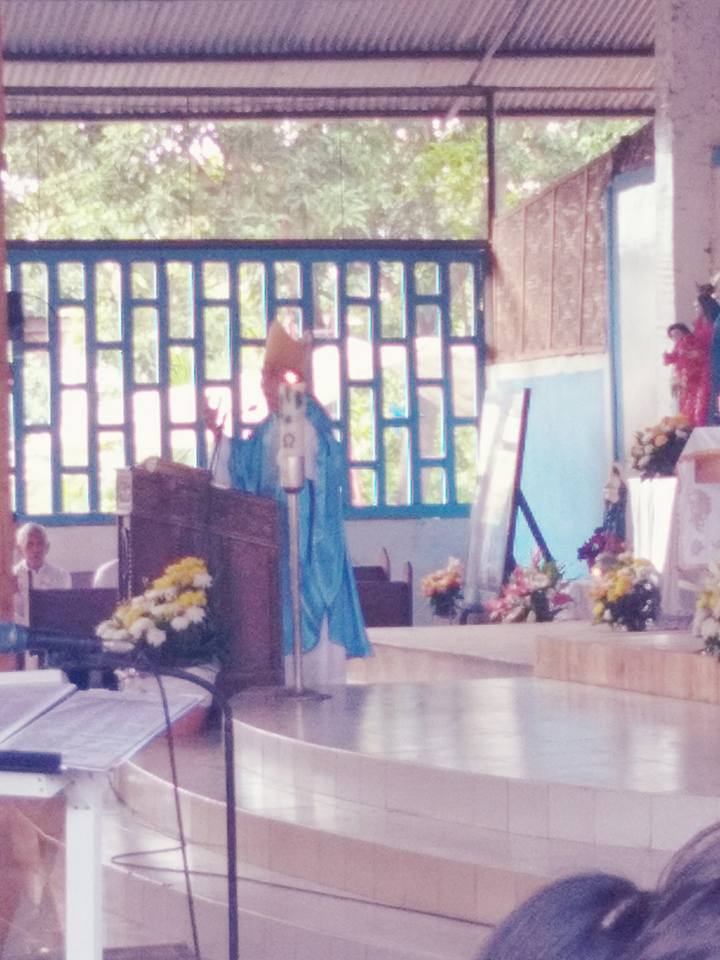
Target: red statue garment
690, 357
702, 335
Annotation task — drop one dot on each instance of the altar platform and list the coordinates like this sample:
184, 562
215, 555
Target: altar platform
402, 819
402, 806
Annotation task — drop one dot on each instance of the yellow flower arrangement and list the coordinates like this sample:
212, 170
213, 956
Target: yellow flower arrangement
656, 449
443, 588
170, 621
626, 592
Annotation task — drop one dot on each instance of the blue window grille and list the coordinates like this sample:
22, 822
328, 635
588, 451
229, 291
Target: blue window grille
122, 340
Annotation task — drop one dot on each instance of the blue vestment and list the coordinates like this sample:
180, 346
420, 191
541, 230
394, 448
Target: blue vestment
327, 579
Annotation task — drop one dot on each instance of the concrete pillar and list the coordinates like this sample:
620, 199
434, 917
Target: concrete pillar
687, 127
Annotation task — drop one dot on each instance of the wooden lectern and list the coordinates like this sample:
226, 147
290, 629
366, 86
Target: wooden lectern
167, 511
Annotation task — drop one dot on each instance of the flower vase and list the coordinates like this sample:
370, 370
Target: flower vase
540, 605
444, 608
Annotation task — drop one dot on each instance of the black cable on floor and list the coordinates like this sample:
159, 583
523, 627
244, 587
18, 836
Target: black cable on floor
121, 860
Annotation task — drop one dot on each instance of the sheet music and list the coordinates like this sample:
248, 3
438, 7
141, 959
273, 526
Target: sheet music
98, 729
26, 694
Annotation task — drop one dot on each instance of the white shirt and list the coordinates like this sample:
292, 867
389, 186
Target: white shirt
47, 577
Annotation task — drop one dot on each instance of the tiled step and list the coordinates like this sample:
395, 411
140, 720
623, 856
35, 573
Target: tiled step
280, 919
531, 757
397, 859
454, 798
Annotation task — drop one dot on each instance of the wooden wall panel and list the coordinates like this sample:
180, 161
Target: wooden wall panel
549, 280
539, 248
508, 307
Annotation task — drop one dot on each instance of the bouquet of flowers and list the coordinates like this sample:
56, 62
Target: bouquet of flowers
443, 588
656, 449
531, 593
706, 622
627, 592
170, 621
601, 541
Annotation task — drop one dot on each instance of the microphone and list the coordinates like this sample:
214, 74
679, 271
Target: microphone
46, 641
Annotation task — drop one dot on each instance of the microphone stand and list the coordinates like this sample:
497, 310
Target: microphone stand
230, 815
291, 468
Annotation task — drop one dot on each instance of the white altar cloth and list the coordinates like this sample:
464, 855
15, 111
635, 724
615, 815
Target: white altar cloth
676, 524
698, 504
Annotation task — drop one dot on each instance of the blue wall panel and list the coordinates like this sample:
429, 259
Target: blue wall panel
566, 463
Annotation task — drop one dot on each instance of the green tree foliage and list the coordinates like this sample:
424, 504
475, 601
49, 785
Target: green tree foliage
281, 180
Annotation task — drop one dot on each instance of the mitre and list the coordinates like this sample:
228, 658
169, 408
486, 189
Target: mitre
283, 352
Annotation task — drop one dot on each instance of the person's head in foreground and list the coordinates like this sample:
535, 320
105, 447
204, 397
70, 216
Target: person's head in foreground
33, 544
603, 917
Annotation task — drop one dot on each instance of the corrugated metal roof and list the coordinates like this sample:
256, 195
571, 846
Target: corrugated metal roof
81, 58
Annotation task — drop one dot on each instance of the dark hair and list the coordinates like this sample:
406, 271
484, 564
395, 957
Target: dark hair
682, 327
599, 916
586, 917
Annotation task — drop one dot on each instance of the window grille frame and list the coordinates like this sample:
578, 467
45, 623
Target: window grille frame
343, 253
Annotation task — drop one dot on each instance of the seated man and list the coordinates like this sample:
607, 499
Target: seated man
32, 572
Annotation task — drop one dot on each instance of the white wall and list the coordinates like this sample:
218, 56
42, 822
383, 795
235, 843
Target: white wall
82, 547
643, 379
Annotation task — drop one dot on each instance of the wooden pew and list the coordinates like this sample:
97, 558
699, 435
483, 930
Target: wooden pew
385, 602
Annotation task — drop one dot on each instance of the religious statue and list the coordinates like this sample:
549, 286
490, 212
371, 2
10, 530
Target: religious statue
608, 539
614, 508
690, 358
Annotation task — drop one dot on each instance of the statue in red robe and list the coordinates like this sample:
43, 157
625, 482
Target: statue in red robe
690, 357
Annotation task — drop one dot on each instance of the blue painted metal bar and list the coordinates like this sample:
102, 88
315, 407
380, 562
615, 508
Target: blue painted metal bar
441, 255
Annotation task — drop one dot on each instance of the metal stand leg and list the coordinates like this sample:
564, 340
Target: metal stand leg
83, 869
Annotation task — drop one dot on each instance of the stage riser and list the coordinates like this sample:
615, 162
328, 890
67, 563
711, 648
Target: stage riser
393, 665
393, 877
384, 874
556, 811
164, 910
623, 662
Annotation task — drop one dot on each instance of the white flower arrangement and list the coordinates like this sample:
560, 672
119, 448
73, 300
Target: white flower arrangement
169, 620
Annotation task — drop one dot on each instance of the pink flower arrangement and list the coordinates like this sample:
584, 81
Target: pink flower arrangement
531, 593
